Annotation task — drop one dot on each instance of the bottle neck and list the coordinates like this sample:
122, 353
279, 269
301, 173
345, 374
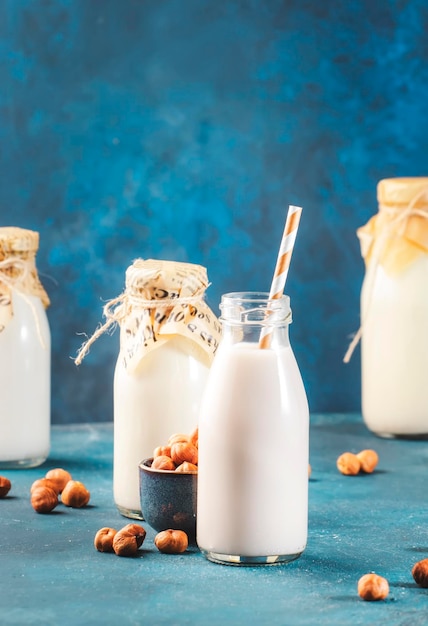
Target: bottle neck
251, 317
233, 333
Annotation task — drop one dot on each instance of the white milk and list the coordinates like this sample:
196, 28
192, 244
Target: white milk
395, 351
253, 456
161, 398
25, 385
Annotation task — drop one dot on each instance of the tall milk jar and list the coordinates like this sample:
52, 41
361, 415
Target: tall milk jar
24, 353
253, 440
168, 337
394, 311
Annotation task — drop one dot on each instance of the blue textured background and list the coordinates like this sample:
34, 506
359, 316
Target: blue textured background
181, 130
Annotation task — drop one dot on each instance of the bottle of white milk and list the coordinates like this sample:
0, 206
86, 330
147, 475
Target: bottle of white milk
253, 440
394, 311
168, 337
25, 353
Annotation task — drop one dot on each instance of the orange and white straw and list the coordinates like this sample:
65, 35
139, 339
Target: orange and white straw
282, 265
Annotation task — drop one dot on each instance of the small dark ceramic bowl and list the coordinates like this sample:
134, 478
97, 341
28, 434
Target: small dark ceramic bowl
168, 499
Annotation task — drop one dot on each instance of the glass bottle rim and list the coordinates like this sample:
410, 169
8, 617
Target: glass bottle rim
255, 308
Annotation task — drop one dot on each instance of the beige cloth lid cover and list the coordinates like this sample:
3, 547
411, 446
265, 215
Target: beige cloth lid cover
18, 247
162, 300
165, 300
398, 234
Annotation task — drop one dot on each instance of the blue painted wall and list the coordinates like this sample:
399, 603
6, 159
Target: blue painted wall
181, 130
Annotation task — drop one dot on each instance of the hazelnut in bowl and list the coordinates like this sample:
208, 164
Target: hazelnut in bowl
168, 496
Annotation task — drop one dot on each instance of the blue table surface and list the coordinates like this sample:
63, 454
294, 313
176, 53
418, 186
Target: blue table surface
51, 574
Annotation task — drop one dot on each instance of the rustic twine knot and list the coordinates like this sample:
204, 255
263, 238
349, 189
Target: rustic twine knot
117, 309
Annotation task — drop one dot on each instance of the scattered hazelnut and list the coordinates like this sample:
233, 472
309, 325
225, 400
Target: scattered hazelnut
44, 499
368, 460
103, 541
420, 573
163, 463
59, 476
75, 494
162, 451
373, 587
5, 486
348, 464
186, 468
127, 540
44, 482
171, 541
184, 451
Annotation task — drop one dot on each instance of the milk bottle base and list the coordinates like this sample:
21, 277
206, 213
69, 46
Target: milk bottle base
231, 559
392, 431
23, 463
404, 436
132, 513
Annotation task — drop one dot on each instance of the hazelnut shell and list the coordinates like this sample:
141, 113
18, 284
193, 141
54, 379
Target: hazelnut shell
172, 541
420, 573
127, 540
44, 499
5, 486
75, 494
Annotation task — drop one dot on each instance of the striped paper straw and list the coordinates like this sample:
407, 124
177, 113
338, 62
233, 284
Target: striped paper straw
282, 264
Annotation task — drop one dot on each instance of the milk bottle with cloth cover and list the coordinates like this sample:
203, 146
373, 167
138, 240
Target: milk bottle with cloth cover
25, 353
394, 310
168, 337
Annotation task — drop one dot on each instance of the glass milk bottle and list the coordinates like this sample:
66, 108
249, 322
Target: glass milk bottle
24, 353
168, 337
394, 311
253, 440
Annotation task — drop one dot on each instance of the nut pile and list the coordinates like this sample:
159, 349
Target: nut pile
352, 464
180, 454
129, 539
45, 492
